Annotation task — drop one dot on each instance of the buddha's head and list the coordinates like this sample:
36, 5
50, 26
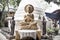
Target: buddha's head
29, 8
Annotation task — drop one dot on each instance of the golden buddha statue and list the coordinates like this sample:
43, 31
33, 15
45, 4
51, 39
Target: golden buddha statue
29, 22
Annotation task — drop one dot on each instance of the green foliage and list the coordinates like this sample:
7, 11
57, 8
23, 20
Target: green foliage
1, 24
4, 3
50, 30
18, 1
12, 2
56, 28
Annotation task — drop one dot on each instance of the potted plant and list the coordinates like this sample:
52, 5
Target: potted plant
56, 29
50, 31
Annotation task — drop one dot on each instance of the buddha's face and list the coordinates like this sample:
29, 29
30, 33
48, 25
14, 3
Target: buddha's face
29, 8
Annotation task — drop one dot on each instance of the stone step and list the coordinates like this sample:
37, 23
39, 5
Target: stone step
6, 29
7, 35
56, 37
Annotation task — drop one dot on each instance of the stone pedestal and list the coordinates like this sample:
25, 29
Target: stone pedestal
29, 33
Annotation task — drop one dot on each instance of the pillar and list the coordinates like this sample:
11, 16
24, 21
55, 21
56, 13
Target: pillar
9, 25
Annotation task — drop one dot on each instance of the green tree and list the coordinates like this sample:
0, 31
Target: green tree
4, 3
18, 1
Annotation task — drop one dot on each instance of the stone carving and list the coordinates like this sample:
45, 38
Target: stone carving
29, 22
17, 37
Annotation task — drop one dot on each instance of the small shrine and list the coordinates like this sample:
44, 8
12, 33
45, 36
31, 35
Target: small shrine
28, 19
27, 22
29, 26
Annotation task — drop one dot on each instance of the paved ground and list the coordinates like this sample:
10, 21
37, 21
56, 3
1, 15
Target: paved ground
56, 37
4, 32
2, 37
